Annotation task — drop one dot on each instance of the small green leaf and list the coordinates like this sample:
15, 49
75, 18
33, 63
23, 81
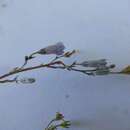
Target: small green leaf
65, 124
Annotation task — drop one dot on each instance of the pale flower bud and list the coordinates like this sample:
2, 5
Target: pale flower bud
57, 49
59, 116
94, 63
27, 80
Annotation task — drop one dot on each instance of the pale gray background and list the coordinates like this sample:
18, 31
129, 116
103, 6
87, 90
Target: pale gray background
99, 29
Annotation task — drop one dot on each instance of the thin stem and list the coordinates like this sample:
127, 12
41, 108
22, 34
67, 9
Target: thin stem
89, 72
27, 58
26, 61
29, 68
49, 123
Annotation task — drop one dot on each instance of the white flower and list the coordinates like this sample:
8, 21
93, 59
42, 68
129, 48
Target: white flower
94, 63
57, 49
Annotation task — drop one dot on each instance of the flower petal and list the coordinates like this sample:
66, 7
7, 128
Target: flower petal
94, 63
57, 49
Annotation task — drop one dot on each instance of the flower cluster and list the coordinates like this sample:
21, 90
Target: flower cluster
100, 66
91, 67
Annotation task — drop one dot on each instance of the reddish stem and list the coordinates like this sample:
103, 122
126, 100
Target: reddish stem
29, 68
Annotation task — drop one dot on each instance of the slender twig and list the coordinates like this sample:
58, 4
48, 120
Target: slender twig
10, 80
49, 124
29, 68
27, 58
88, 72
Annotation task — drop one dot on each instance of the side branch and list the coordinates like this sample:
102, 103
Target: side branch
18, 70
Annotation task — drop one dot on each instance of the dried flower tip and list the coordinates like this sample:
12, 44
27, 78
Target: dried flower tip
65, 124
59, 116
27, 80
112, 66
68, 54
28, 58
94, 63
57, 49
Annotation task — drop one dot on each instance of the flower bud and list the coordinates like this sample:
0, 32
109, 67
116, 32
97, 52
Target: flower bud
59, 116
27, 80
57, 49
94, 63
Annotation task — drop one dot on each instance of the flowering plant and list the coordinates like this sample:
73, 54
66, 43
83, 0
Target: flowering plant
90, 67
